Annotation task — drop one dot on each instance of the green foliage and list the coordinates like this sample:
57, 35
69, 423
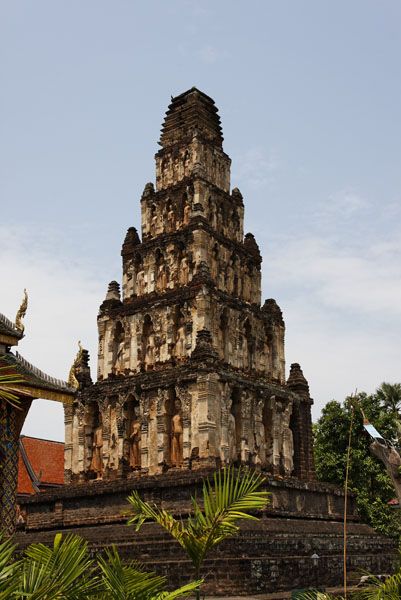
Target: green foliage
66, 572
390, 589
231, 496
128, 581
8, 567
367, 476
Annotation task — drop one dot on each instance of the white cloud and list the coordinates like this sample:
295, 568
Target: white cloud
340, 295
343, 277
210, 54
341, 205
256, 167
64, 297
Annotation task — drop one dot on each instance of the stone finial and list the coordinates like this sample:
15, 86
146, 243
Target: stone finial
189, 114
272, 309
131, 240
251, 245
132, 237
80, 375
235, 193
204, 347
297, 382
149, 190
113, 292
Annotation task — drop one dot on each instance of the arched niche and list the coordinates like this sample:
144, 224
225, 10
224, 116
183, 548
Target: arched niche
296, 436
118, 350
267, 419
170, 216
160, 272
248, 347
235, 267
224, 334
148, 344
235, 426
174, 429
132, 445
93, 441
180, 333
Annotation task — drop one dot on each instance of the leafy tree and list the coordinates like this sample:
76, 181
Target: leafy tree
232, 496
389, 395
367, 476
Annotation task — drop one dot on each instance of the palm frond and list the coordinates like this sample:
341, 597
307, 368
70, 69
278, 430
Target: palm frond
390, 589
128, 581
183, 591
62, 572
231, 496
8, 568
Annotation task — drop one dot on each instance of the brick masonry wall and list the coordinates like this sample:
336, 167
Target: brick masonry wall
269, 555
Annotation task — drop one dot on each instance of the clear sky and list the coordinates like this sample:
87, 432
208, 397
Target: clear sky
309, 93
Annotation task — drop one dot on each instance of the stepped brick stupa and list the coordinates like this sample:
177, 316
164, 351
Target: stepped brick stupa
191, 377
191, 367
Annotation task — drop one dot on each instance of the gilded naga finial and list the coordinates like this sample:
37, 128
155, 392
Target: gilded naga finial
72, 379
22, 312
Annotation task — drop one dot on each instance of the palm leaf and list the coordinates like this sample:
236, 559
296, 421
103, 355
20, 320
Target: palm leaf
129, 581
382, 590
231, 496
64, 572
8, 568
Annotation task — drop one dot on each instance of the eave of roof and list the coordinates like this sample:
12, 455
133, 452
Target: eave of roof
9, 331
37, 384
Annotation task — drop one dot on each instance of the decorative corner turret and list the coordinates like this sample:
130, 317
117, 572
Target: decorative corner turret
272, 310
304, 464
148, 190
296, 381
251, 245
236, 194
204, 348
80, 375
130, 241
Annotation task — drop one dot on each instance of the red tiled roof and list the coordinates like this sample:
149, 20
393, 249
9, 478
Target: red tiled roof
393, 502
45, 462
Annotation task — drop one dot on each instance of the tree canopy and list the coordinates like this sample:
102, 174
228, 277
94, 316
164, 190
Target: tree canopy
367, 475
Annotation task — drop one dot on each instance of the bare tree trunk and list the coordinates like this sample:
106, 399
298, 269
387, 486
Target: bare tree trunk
392, 461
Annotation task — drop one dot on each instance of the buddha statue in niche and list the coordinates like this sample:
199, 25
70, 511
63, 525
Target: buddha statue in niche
176, 436
135, 441
96, 465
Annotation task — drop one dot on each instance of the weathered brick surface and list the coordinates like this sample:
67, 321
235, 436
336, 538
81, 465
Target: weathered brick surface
269, 555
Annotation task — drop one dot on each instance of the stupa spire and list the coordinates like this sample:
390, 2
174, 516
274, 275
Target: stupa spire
191, 113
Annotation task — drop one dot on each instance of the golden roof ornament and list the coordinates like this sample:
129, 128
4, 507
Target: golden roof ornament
22, 312
72, 379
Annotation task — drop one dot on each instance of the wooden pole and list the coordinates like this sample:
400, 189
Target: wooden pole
346, 499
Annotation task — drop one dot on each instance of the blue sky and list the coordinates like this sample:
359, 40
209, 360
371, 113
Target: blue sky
309, 93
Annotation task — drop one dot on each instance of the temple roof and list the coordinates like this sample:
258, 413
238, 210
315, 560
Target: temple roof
40, 464
9, 333
37, 384
189, 113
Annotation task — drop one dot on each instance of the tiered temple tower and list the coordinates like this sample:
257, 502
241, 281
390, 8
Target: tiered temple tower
191, 367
